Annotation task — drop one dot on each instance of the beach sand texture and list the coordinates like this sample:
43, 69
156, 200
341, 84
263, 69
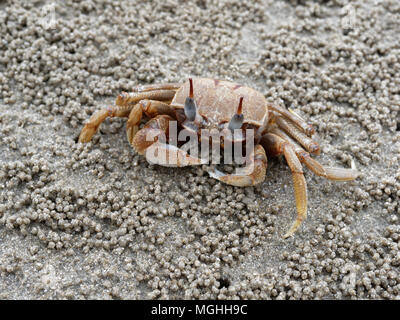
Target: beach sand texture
96, 221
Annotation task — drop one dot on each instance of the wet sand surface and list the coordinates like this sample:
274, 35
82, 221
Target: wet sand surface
96, 221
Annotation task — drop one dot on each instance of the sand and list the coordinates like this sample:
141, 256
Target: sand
96, 221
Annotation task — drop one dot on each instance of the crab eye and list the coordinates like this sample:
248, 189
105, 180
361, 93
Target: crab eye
190, 108
237, 119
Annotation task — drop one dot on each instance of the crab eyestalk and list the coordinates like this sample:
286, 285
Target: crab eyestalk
190, 108
238, 118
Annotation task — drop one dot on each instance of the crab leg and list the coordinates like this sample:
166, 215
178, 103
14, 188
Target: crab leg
151, 108
303, 156
295, 118
341, 174
275, 145
130, 98
151, 141
125, 102
158, 86
98, 117
253, 173
310, 145
331, 173
132, 126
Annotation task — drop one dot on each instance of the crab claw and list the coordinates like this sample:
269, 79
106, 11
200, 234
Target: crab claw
232, 179
250, 175
171, 156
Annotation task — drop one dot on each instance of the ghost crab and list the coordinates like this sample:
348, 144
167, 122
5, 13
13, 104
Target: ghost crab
223, 105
